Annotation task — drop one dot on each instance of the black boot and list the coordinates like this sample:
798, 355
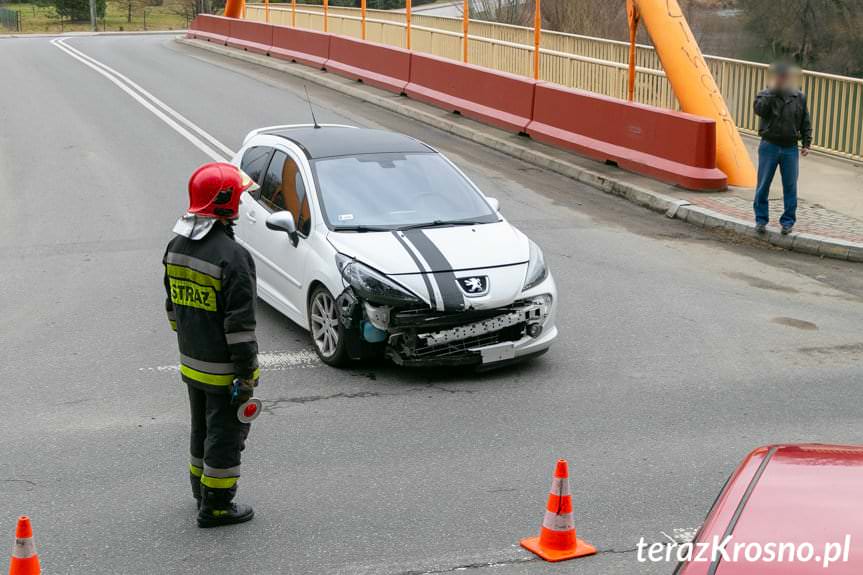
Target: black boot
196, 488
218, 508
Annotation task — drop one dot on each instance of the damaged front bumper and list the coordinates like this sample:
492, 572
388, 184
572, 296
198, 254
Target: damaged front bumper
423, 337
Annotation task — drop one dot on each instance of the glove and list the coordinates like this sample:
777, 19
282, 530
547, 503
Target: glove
242, 390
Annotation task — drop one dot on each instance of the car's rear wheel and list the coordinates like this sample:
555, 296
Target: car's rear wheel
326, 328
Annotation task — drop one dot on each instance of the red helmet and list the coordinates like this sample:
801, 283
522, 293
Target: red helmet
214, 190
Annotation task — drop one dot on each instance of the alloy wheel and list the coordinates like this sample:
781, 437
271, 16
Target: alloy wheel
325, 323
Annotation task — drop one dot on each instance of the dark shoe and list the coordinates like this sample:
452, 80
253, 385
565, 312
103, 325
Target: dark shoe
217, 508
209, 517
787, 230
760, 228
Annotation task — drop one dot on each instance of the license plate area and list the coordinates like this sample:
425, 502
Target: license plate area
496, 353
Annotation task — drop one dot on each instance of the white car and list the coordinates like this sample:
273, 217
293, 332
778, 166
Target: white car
379, 245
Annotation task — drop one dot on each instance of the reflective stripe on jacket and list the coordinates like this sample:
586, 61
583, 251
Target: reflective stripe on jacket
211, 299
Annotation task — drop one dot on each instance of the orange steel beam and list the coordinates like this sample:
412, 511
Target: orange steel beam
537, 37
363, 12
408, 24
235, 8
326, 15
632, 18
465, 25
694, 85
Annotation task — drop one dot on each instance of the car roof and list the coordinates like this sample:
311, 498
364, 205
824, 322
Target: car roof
804, 493
334, 141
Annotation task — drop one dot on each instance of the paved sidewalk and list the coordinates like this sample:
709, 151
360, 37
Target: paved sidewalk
830, 198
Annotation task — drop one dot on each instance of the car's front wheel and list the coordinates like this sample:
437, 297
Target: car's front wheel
326, 328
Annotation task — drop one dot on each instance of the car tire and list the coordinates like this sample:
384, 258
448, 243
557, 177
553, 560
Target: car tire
326, 329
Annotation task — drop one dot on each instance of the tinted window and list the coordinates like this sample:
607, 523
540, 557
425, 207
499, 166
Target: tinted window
284, 189
255, 162
271, 189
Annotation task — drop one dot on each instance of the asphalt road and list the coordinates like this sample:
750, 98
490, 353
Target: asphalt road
679, 352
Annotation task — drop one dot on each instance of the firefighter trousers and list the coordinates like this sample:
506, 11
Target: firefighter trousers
217, 439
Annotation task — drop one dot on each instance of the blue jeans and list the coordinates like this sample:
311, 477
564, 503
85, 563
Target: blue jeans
787, 159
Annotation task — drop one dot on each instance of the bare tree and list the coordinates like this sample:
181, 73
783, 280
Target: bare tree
814, 33
505, 11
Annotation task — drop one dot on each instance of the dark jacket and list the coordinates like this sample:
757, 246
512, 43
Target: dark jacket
784, 118
211, 298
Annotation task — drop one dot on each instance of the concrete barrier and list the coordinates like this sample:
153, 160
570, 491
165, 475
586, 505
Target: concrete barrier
303, 46
385, 67
252, 36
670, 146
211, 28
501, 99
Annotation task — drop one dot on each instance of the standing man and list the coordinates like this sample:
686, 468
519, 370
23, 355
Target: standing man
210, 283
784, 121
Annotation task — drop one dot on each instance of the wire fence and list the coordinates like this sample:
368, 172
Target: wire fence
593, 64
10, 20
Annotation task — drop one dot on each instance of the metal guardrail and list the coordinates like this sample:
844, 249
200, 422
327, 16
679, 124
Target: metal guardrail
10, 19
596, 65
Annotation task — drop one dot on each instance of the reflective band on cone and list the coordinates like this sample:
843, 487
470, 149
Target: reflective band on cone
24, 561
557, 540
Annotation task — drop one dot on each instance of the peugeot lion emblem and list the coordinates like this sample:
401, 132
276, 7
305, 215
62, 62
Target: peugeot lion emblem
474, 286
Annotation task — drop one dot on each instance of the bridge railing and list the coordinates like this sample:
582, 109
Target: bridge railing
593, 64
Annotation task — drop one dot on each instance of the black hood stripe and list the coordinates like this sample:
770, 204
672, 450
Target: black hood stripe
453, 300
432, 298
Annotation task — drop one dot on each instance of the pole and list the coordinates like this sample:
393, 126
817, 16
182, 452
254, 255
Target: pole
294, 13
465, 24
363, 12
632, 18
93, 23
326, 15
267, 11
537, 37
408, 21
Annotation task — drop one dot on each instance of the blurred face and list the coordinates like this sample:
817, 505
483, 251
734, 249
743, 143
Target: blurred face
784, 79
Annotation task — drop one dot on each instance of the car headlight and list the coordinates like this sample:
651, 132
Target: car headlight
536, 270
372, 285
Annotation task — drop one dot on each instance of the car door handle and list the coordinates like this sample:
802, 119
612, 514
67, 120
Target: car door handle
251, 217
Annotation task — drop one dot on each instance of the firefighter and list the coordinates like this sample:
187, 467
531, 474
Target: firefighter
210, 285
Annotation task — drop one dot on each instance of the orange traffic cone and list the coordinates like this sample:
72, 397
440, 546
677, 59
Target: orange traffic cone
557, 541
24, 558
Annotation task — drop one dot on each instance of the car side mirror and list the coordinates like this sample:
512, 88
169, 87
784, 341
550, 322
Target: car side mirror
494, 203
284, 222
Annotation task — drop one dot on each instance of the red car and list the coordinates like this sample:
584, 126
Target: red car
786, 510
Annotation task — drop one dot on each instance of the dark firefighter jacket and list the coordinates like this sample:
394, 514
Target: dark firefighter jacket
210, 284
784, 118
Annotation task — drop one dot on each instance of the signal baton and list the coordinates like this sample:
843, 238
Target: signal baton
248, 411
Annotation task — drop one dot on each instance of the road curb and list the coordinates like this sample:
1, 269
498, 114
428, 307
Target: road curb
672, 207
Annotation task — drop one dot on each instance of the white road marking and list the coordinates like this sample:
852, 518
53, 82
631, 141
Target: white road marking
161, 110
268, 361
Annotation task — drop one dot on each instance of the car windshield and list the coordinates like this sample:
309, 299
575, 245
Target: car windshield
390, 191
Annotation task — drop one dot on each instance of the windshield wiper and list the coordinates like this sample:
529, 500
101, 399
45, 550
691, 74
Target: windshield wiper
361, 229
440, 224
